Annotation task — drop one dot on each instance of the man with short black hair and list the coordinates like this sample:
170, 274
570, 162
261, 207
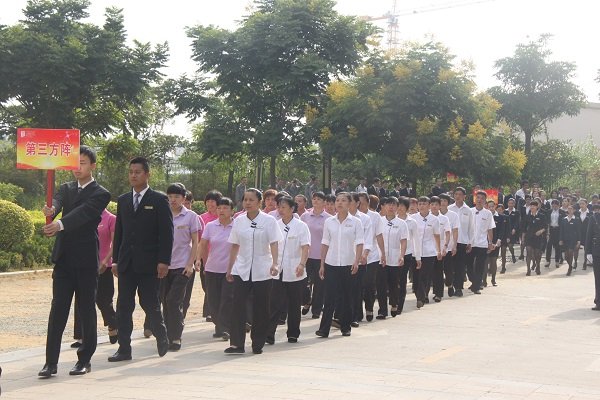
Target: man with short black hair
76, 261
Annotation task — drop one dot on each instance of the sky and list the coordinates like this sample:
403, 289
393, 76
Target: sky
478, 31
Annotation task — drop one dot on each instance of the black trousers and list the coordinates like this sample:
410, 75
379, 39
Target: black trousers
338, 288
261, 292
70, 279
387, 287
147, 288
369, 285
357, 294
553, 242
459, 262
448, 269
286, 297
188, 293
220, 300
437, 278
422, 277
479, 256
172, 292
104, 301
203, 284
313, 293
596, 265
409, 263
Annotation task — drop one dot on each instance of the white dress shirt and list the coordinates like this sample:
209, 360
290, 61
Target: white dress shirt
342, 237
142, 193
367, 229
466, 227
394, 231
294, 235
376, 229
583, 215
484, 221
427, 227
411, 243
554, 216
454, 224
445, 231
254, 238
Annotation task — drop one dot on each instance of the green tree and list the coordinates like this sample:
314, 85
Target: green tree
276, 63
551, 161
535, 90
58, 71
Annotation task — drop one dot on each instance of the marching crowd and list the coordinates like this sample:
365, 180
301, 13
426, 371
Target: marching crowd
266, 259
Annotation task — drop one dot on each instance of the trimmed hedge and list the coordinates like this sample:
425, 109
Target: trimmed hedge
112, 207
10, 192
17, 225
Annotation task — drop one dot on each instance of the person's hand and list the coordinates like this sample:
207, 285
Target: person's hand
539, 233
454, 251
508, 240
354, 268
115, 270
299, 270
322, 272
51, 229
162, 269
48, 211
229, 277
102, 268
401, 262
468, 248
363, 258
274, 270
419, 264
590, 258
197, 266
514, 231
188, 270
439, 256
560, 242
491, 247
382, 260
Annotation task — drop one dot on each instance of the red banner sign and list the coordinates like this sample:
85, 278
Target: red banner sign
47, 148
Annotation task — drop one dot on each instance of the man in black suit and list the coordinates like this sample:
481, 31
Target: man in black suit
592, 250
141, 256
75, 258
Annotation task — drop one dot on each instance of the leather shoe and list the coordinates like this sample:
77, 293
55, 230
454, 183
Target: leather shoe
162, 346
119, 357
346, 333
48, 370
595, 308
76, 344
81, 368
321, 334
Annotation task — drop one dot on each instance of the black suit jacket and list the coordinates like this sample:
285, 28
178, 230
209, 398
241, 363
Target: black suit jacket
143, 238
592, 238
81, 214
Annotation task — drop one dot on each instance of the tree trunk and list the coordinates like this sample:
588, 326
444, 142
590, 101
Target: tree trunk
272, 177
326, 173
258, 173
528, 143
230, 183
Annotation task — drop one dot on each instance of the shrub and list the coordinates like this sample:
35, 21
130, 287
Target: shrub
38, 249
198, 207
17, 225
9, 259
112, 207
10, 192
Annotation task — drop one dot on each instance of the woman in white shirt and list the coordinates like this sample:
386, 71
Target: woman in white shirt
286, 292
252, 263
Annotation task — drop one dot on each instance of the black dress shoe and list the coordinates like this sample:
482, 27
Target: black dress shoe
321, 334
48, 370
458, 293
336, 324
354, 324
503, 271
175, 347
437, 299
81, 368
162, 346
225, 336
595, 308
393, 313
76, 344
292, 340
346, 333
217, 335
315, 316
514, 259
119, 357
256, 351
450, 291
369, 317
270, 340
235, 350
380, 317
305, 310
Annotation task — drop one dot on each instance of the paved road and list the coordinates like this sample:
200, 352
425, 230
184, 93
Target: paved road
529, 338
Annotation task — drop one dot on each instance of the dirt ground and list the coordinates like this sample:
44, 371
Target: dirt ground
25, 304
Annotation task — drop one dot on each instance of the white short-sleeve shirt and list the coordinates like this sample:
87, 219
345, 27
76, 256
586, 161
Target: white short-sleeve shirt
445, 230
427, 227
466, 227
294, 235
254, 238
484, 221
394, 231
454, 224
342, 237
376, 229
411, 244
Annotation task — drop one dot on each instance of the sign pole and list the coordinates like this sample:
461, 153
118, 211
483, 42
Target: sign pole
49, 191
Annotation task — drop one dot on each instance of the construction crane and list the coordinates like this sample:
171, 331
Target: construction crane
392, 17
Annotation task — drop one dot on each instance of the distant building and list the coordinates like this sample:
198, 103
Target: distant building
579, 127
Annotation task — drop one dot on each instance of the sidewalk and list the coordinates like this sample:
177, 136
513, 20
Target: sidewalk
529, 338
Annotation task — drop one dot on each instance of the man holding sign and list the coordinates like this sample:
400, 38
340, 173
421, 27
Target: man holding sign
75, 258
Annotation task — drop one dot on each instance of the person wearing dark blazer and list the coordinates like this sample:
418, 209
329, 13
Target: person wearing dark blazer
592, 250
76, 262
141, 256
584, 216
514, 233
570, 236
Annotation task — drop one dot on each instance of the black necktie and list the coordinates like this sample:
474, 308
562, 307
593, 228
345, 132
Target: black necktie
79, 189
136, 201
